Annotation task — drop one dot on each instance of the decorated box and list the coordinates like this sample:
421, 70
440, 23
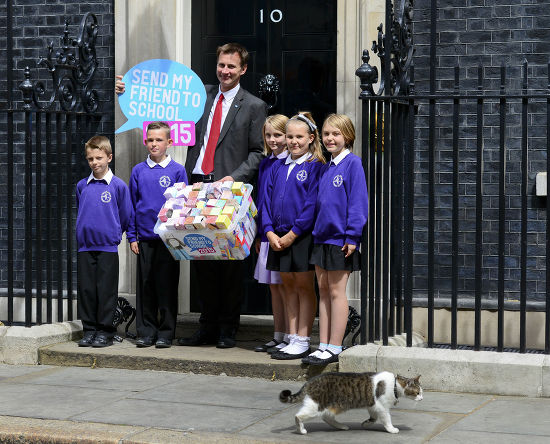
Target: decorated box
208, 221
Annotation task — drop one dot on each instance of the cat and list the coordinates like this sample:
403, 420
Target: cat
329, 394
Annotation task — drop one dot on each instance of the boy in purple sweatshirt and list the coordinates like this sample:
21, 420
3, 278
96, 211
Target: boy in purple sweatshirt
104, 211
157, 271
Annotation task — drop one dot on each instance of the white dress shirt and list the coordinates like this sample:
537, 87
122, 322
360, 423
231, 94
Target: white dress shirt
228, 97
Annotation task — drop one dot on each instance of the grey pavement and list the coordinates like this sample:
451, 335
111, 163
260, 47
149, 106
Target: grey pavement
78, 404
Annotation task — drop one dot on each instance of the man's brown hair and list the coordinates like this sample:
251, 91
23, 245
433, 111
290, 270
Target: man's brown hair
99, 143
232, 48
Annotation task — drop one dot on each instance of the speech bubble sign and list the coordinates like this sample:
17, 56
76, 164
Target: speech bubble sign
161, 89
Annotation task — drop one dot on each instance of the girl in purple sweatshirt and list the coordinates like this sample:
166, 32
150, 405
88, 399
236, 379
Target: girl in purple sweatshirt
340, 214
274, 148
287, 221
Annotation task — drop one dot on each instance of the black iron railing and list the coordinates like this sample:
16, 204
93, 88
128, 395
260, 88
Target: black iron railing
443, 167
45, 158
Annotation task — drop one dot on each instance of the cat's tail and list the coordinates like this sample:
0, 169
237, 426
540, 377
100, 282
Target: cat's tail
287, 396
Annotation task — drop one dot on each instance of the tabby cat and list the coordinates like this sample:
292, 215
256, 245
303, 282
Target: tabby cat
329, 394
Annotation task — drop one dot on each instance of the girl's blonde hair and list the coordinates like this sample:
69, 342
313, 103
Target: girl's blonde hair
306, 119
278, 122
344, 124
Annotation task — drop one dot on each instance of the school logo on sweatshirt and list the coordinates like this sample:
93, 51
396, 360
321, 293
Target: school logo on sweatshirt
301, 175
105, 197
337, 181
165, 181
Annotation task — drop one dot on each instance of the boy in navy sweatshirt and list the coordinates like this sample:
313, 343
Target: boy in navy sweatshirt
104, 211
157, 271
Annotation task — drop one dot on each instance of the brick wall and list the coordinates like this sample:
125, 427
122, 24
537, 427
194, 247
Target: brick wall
489, 33
35, 23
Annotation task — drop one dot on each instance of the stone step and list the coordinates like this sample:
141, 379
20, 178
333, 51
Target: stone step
239, 361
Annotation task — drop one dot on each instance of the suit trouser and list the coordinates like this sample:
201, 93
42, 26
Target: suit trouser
97, 290
220, 291
157, 291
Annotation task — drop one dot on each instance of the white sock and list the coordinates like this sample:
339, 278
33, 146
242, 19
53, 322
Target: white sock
335, 349
289, 339
321, 349
299, 345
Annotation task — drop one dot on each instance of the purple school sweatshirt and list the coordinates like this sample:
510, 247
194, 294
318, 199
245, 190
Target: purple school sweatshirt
342, 203
263, 178
291, 202
104, 212
147, 187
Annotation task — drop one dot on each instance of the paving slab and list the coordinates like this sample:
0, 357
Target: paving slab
250, 393
463, 436
52, 402
107, 379
11, 371
413, 427
85, 405
439, 402
527, 416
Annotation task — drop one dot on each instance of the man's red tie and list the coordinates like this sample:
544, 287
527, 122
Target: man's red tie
208, 160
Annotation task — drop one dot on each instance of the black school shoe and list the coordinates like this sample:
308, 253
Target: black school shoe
145, 341
282, 356
163, 343
276, 349
314, 360
266, 346
87, 339
102, 341
226, 340
308, 358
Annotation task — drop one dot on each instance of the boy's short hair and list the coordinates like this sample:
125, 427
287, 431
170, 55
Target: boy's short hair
232, 48
99, 143
159, 125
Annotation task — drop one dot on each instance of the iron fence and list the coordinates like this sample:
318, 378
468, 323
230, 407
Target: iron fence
453, 220
44, 159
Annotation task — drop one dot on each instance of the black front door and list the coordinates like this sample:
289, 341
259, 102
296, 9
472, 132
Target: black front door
295, 41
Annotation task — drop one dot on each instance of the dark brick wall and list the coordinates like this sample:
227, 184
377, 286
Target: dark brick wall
489, 33
35, 23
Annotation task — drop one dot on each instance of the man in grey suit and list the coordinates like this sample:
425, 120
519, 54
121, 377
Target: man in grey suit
238, 117
229, 147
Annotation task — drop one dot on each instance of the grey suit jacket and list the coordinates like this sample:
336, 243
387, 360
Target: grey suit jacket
240, 145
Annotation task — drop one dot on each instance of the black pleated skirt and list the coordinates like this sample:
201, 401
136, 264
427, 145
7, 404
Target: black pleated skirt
332, 258
294, 258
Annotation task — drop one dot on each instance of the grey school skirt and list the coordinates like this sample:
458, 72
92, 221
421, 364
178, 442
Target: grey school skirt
294, 258
332, 258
